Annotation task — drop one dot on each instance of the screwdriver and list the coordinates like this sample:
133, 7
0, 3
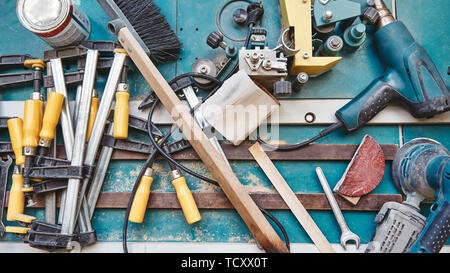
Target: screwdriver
121, 110
184, 196
140, 200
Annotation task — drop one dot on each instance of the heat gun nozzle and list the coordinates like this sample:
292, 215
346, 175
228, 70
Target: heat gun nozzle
386, 16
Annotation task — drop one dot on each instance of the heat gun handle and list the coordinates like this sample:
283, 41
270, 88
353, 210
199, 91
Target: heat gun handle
436, 232
366, 105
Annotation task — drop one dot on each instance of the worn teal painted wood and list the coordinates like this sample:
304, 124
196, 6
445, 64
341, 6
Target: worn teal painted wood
193, 21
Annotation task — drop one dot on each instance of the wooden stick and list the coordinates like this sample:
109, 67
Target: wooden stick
219, 168
291, 199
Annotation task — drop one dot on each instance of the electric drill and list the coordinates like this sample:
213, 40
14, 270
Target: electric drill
410, 77
421, 170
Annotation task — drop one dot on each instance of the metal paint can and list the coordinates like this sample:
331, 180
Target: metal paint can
58, 22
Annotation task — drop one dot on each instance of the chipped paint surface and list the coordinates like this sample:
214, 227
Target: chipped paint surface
345, 81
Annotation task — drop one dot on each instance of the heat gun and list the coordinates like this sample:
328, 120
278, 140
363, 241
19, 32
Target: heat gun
421, 170
410, 77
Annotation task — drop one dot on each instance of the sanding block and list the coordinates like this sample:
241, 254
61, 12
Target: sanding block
239, 107
364, 173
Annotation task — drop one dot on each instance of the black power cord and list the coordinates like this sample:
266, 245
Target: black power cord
297, 146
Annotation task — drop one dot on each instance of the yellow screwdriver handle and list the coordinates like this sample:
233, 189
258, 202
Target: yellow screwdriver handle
140, 200
31, 123
92, 116
16, 203
186, 200
51, 116
15, 127
121, 115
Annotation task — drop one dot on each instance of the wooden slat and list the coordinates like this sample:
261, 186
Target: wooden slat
295, 205
311, 201
329, 152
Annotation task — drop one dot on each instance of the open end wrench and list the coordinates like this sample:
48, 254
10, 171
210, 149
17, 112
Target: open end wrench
3, 183
347, 235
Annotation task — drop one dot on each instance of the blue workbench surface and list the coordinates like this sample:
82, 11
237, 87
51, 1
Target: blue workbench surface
193, 21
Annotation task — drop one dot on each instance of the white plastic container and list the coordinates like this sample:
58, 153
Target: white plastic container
58, 22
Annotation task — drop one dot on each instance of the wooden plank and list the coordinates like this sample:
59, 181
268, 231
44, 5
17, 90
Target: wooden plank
291, 199
258, 225
164, 200
329, 152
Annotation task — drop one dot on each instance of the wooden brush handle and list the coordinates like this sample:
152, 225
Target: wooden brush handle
220, 170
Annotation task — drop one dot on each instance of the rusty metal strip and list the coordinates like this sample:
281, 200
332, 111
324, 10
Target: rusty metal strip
331, 152
159, 200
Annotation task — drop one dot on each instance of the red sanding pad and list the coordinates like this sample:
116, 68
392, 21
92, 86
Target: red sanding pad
365, 171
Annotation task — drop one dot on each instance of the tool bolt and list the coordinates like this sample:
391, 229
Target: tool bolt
240, 16
370, 16
204, 69
254, 57
215, 39
300, 81
306, 55
328, 15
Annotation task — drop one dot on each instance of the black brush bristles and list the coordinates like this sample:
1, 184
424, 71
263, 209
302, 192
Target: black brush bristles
153, 28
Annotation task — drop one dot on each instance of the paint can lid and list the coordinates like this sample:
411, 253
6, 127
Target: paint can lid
43, 15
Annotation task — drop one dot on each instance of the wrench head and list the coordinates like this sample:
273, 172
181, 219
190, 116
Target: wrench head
348, 237
6, 163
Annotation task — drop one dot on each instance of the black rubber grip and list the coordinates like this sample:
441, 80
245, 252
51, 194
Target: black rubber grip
376, 102
438, 232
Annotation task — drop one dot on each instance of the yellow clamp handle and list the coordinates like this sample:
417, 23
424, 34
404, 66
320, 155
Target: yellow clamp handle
32, 120
34, 63
121, 113
140, 200
92, 116
15, 127
17, 230
120, 50
51, 115
16, 203
186, 200
41, 113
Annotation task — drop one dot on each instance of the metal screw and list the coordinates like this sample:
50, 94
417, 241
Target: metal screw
306, 55
327, 16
